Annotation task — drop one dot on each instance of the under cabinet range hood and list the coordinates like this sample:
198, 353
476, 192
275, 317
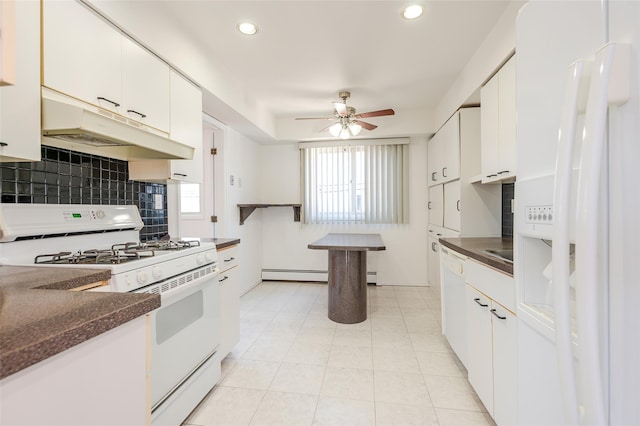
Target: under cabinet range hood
69, 123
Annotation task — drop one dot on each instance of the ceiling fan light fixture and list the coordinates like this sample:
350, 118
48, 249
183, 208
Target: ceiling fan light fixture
412, 12
335, 130
355, 128
247, 28
344, 133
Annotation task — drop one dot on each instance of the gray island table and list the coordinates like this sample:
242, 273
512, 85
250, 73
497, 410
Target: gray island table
348, 273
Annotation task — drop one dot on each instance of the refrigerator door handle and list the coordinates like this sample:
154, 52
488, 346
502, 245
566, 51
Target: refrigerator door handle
560, 248
589, 250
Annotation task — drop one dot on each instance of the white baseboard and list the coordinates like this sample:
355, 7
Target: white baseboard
305, 275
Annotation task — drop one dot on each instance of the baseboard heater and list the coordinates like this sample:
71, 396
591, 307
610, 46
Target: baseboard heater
305, 275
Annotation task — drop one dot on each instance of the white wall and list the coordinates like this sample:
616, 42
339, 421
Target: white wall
495, 48
285, 241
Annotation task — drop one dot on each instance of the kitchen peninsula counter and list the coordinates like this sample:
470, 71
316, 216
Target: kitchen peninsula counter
40, 317
475, 247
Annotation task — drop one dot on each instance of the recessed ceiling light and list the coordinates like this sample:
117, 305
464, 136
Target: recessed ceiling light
412, 12
247, 28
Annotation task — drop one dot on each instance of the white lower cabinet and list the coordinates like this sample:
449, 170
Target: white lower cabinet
505, 366
492, 355
229, 299
479, 344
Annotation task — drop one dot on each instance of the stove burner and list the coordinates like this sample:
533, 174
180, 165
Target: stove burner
119, 253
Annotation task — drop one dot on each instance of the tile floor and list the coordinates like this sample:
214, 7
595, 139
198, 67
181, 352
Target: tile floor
294, 366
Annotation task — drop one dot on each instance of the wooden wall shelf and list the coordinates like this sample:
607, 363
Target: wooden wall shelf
247, 209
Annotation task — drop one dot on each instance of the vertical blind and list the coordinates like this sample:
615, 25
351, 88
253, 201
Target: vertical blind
356, 184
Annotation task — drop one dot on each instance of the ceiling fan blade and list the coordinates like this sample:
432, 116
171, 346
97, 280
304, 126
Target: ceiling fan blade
341, 108
365, 125
315, 118
376, 113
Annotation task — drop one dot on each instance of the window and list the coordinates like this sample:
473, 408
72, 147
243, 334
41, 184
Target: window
355, 184
189, 198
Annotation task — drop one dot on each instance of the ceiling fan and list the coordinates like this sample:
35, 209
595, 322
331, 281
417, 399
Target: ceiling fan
348, 122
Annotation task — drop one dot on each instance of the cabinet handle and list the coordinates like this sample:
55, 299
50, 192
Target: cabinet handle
230, 259
444, 172
3, 144
433, 247
493, 311
136, 112
503, 172
429, 205
430, 230
180, 174
490, 176
439, 234
433, 176
223, 279
458, 205
115, 104
477, 300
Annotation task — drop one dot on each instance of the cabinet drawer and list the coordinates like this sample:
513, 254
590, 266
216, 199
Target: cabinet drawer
227, 258
496, 285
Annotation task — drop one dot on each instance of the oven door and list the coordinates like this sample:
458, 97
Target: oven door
185, 332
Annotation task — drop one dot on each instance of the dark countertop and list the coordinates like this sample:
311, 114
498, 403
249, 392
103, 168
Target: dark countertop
40, 317
349, 242
474, 248
221, 243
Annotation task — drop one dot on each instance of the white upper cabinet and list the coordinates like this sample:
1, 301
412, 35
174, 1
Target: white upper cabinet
434, 158
443, 152
186, 127
82, 54
451, 165
498, 101
146, 92
89, 59
20, 102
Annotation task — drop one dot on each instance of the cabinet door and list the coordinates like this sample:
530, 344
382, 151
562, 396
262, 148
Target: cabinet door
229, 310
20, 103
186, 127
452, 205
505, 368
82, 54
489, 132
433, 262
451, 146
507, 119
436, 205
435, 158
146, 87
479, 346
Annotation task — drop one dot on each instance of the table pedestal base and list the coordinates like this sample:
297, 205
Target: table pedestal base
347, 286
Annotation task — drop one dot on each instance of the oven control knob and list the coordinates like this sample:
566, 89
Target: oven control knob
210, 256
100, 214
157, 272
200, 259
143, 277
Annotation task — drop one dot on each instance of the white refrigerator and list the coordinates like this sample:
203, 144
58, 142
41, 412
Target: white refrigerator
577, 217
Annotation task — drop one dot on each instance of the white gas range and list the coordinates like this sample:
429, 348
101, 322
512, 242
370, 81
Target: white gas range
185, 330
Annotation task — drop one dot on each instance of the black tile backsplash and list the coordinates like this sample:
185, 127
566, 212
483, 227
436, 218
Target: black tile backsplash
68, 177
508, 194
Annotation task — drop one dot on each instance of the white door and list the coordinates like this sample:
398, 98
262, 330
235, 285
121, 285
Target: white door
82, 54
452, 206
146, 87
